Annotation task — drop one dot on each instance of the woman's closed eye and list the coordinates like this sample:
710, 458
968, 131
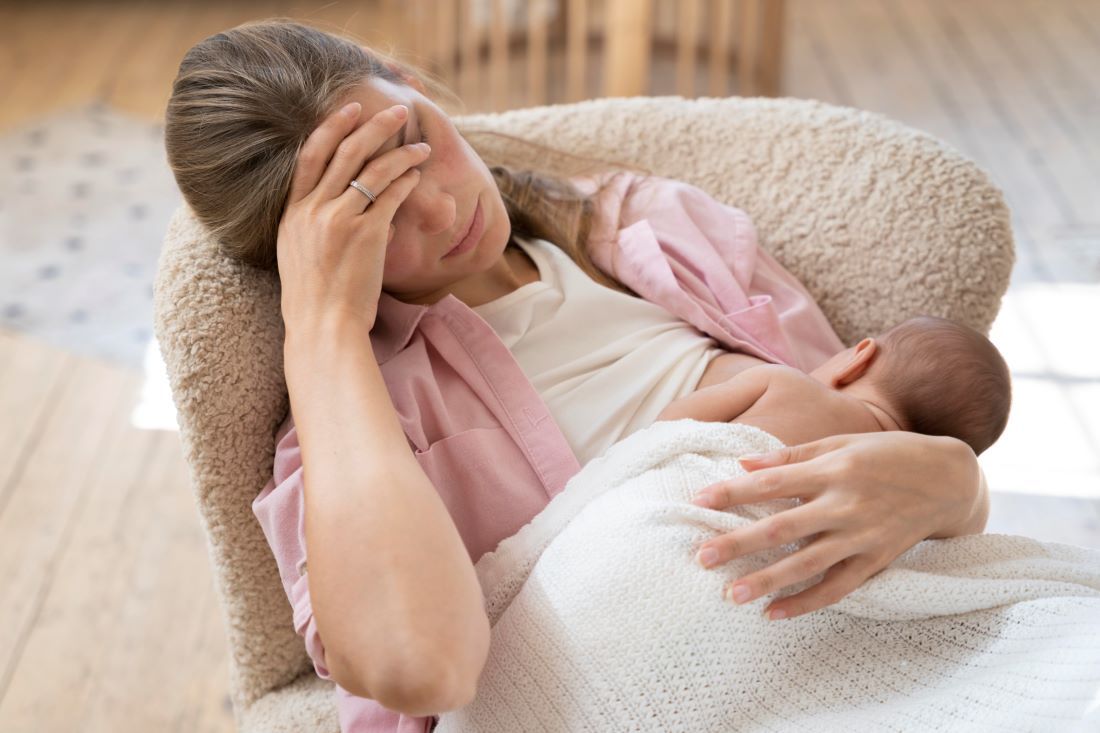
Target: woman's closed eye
421, 137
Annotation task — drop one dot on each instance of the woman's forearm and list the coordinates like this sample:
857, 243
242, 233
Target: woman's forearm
393, 590
978, 516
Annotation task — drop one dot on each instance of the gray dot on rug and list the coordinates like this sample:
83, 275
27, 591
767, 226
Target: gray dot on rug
83, 213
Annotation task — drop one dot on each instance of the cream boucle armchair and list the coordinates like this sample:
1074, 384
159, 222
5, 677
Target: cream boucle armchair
878, 220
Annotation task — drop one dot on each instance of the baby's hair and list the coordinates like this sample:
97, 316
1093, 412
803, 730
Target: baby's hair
944, 378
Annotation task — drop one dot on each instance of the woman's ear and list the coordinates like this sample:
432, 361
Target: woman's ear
857, 363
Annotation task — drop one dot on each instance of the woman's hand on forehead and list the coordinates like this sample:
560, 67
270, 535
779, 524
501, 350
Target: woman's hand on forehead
337, 150
333, 236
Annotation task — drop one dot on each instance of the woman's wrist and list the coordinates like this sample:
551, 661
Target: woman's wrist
331, 324
976, 514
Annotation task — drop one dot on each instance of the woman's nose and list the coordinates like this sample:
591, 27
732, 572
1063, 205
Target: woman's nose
432, 209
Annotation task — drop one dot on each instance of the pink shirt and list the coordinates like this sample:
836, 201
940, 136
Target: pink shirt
491, 448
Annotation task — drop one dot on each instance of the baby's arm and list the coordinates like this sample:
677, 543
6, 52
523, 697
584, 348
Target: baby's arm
721, 402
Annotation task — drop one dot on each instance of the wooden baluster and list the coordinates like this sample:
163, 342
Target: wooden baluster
626, 61
414, 48
720, 19
770, 71
687, 47
470, 71
442, 15
576, 50
537, 11
498, 56
748, 49
409, 49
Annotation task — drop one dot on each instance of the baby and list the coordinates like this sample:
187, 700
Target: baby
926, 375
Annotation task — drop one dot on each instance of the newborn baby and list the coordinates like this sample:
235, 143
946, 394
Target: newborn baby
926, 375
601, 620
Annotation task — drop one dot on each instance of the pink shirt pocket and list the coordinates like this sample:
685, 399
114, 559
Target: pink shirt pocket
481, 485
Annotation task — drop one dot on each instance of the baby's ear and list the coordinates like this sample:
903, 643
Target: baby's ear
857, 364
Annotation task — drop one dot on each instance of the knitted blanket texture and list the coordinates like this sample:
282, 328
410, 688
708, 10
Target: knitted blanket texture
603, 621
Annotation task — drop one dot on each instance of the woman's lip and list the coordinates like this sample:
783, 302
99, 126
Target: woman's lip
472, 234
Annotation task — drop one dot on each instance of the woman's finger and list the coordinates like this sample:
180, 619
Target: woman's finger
792, 454
317, 150
354, 150
780, 482
811, 560
392, 196
378, 174
776, 530
840, 580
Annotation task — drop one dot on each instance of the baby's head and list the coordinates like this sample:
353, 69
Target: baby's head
932, 375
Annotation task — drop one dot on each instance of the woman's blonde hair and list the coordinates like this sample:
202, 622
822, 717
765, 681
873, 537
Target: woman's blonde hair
244, 102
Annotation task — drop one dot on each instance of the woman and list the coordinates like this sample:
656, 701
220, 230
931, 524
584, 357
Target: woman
299, 150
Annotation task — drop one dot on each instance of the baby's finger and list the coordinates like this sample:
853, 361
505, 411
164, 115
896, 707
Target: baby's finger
840, 580
317, 150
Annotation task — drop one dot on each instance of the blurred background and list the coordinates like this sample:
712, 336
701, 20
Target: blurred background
109, 621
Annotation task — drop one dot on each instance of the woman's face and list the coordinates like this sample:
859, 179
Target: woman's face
453, 181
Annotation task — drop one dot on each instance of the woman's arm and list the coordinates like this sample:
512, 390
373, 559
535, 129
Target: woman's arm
395, 596
979, 514
866, 499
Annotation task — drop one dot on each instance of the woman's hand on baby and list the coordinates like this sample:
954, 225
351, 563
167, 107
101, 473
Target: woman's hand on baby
332, 240
866, 499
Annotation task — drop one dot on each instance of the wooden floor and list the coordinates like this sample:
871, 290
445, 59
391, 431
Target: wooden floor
109, 621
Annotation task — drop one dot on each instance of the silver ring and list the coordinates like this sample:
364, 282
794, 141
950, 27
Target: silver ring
363, 190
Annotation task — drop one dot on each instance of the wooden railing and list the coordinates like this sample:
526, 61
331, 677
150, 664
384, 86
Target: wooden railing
502, 54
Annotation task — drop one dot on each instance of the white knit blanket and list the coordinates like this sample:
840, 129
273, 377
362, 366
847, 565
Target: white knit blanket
602, 620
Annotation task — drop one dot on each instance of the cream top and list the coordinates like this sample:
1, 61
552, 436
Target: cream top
604, 362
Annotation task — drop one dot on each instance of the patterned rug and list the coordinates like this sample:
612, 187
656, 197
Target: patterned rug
84, 206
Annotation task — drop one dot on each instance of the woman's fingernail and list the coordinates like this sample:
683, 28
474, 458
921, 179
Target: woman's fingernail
737, 593
707, 557
352, 110
703, 500
400, 111
776, 615
754, 457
